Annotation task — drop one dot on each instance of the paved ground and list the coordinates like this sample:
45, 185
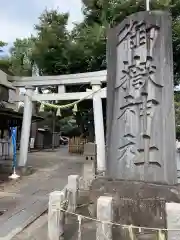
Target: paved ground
27, 198
38, 230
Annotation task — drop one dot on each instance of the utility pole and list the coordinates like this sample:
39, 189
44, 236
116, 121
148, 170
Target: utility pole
53, 128
147, 5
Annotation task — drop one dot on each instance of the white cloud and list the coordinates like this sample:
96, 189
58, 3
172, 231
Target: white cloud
18, 17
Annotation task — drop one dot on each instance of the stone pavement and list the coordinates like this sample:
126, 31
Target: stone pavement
23, 201
38, 230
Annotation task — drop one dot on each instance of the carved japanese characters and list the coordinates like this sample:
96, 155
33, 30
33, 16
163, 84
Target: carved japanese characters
141, 133
139, 94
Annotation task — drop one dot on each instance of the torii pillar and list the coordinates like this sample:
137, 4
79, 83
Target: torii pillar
99, 126
26, 126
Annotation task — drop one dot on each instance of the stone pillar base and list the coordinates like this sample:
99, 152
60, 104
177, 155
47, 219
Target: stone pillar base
25, 171
136, 203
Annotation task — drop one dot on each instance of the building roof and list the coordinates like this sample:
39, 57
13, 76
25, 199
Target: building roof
4, 80
10, 118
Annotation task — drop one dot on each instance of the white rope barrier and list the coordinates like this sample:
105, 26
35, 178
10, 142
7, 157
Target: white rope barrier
69, 105
124, 226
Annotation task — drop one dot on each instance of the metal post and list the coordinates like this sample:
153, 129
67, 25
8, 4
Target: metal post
53, 129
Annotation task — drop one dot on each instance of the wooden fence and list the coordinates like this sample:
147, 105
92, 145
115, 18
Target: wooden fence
76, 145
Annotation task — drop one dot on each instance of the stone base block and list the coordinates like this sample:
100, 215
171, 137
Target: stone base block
136, 203
25, 171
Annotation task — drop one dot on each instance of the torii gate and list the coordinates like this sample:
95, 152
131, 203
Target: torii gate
30, 83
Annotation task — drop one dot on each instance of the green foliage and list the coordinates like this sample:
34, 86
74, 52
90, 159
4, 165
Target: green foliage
21, 57
67, 124
4, 60
56, 51
177, 117
2, 44
109, 13
90, 42
177, 112
5, 65
52, 43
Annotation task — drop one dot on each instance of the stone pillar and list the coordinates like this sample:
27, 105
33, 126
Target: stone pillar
99, 127
89, 166
56, 217
61, 89
104, 214
72, 191
140, 115
26, 126
173, 220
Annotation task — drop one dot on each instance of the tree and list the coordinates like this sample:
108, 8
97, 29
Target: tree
21, 57
57, 51
4, 61
177, 112
112, 12
2, 44
90, 43
5, 65
108, 13
51, 44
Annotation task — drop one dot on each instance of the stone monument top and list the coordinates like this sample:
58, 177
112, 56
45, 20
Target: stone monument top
140, 114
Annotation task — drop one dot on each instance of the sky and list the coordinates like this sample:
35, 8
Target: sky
17, 17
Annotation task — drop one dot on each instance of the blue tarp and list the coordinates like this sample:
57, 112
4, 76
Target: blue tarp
13, 137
